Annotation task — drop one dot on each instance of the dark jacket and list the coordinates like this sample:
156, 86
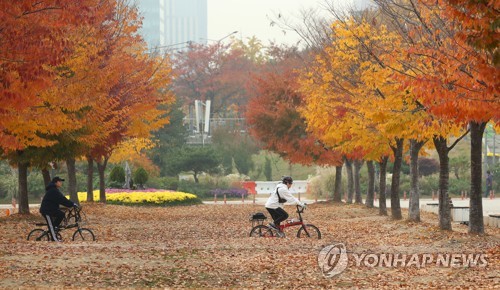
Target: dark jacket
52, 199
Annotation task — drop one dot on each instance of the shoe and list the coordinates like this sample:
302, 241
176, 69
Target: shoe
272, 225
280, 234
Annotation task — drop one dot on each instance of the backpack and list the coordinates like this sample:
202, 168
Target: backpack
280, 200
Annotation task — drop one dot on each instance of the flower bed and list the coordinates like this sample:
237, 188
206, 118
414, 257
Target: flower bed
157, 197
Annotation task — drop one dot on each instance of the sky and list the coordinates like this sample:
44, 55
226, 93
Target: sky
253, 17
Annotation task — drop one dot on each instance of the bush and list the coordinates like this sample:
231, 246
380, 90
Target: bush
427, 166
141, 177
117, 174
166, 182
456, 186
199, 189
428, 184
230, 192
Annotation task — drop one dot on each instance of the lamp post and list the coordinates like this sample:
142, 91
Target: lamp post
234, 32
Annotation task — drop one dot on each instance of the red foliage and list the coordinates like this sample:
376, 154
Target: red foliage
274, 120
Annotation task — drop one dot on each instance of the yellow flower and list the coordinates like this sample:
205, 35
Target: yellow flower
140, 197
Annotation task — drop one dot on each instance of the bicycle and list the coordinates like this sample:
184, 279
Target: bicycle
261, 230
80, 234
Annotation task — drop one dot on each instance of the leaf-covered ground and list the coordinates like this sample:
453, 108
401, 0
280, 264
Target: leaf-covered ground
208, 246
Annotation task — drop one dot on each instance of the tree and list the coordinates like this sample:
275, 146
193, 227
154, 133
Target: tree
117, 176
427, 166
216, 73
170, 136
30, 68
453, 78
196, 160
141, 177
235, 147
273, 117
268, 170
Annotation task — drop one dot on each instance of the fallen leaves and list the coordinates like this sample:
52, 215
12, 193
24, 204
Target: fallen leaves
208, 246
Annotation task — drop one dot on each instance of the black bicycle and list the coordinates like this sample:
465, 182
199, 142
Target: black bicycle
74, 218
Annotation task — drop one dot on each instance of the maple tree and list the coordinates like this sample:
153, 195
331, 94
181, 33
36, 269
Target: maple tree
103, 89
342, 86
28, 68
213, 72
454, 77
274, 120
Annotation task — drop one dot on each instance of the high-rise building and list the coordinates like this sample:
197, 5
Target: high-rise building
173, 22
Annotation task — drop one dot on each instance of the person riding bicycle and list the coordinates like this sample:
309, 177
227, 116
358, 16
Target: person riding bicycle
49, 208
275, 202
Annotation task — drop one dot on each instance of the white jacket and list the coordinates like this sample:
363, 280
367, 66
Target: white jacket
272, 201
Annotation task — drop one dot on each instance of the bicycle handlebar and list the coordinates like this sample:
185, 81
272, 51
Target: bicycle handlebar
300, 209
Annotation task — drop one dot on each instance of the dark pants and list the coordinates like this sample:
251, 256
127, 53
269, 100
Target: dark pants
278, 215
53, 219
488, 190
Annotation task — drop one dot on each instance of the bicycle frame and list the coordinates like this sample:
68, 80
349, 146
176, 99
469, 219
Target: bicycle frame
70, 214
296, 223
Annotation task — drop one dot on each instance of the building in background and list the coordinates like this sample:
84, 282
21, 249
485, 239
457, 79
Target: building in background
173, 23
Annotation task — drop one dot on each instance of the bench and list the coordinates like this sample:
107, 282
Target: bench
494, 220
460, 214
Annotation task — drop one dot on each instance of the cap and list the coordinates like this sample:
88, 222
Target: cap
56, 179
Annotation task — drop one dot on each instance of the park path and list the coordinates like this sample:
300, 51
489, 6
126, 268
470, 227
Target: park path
490, 206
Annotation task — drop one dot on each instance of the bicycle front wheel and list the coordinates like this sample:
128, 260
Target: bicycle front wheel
83, 234
261, 231
38, 235
309, 231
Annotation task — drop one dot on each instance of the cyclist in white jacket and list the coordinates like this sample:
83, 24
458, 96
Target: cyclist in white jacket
275, 207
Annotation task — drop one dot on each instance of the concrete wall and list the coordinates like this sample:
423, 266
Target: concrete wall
266, 187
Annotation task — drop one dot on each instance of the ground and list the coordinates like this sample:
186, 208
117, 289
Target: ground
208, 246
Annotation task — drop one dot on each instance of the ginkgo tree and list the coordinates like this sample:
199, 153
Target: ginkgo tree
355, 77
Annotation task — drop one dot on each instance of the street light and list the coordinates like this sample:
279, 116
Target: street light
234, 32
169, 47
218, 41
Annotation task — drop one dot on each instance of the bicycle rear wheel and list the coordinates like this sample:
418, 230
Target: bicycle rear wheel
309, 231
83, 234
38, 235
261, 231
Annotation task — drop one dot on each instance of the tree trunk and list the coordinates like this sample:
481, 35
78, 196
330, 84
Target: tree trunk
101, 167
350, 179
46, 176
414, 203
337, 195
357, 183
382, 206
444, 177
73, 195
23, 202
371, 184
476, 224
398, 159
90, 179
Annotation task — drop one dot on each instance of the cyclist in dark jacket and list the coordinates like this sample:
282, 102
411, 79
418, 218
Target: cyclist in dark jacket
50, 205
